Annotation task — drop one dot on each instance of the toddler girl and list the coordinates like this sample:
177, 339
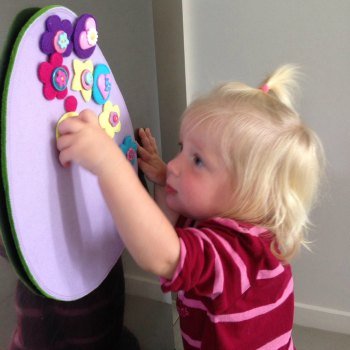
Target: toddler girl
239, 192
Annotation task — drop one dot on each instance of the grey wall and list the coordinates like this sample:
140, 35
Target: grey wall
244, 40
168, 31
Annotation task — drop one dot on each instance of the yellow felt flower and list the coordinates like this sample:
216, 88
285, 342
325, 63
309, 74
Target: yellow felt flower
109, 119
83, 78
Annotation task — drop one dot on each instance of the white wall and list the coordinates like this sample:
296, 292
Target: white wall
244, 40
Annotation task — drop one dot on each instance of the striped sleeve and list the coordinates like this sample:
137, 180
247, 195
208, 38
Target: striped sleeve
230, 286
209, 260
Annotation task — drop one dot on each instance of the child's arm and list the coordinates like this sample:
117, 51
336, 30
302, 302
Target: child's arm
145, 230
155, 170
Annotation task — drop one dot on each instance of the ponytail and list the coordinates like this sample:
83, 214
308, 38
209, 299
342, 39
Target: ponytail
282, 84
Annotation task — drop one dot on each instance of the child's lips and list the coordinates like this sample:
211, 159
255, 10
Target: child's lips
169, 189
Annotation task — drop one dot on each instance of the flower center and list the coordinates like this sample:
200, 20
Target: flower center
113, 118
87, 79
131, 154
92, 36
60, 78
61, 41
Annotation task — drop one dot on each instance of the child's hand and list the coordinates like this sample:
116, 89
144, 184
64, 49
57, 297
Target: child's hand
83, 141
150, 162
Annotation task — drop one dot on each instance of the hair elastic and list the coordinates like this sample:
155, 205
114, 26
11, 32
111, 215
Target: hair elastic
265, 88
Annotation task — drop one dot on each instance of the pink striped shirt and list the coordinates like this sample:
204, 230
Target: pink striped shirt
233, 293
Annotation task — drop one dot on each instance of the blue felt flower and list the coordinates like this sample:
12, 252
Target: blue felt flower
129, 148
63, 41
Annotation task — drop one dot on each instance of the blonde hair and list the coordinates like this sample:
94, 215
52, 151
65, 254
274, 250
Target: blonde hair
275, 159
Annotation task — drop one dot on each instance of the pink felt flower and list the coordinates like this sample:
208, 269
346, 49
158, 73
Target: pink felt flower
55, 77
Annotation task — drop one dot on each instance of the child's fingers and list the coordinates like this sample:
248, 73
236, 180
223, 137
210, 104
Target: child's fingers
65, 158
64, 142
148, 141
70, 125
141, 132
148, 133
143, 153
151, 139
143, 136
89, 116
144, 139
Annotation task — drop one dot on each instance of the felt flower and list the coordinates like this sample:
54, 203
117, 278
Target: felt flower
92, 36
85, 36
83, 78
63, 40
102, 84
109, 119
54, 76
57, 37
129, 148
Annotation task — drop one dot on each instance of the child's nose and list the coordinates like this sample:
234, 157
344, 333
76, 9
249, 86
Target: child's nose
173, 166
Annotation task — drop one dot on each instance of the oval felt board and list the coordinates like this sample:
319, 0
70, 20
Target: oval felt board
63, 232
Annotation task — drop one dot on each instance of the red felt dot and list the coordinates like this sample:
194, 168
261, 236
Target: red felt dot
70, 104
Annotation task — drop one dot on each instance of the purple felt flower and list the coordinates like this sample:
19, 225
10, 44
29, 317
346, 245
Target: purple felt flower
57, 37
85, 36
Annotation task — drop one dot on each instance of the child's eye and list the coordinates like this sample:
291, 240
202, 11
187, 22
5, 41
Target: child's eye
197, 161
180, 146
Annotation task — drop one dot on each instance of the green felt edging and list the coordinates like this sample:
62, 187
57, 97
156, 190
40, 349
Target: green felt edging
7, 226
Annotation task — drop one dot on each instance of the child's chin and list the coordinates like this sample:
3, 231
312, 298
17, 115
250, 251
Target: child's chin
173, 204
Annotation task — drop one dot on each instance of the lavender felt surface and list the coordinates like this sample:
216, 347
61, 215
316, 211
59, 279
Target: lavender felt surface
65, 235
